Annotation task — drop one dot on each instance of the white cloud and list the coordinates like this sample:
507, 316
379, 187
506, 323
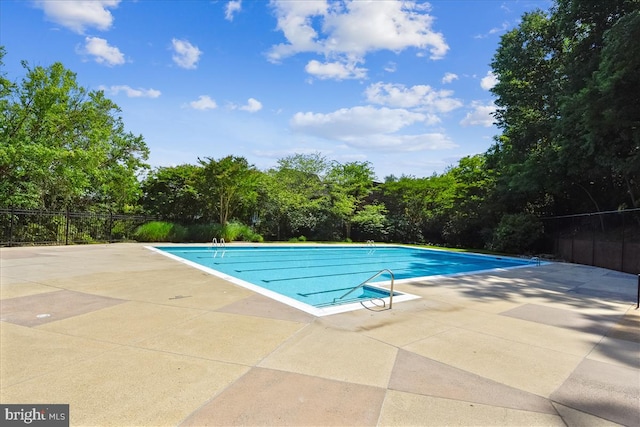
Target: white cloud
130, 92
77, 15
371, 128
391, 67
102, 52
335, 70
449, 77
403, 143
233, 7
481, 115
419, 97
494, 30
204, 102
356, 121
489, 81
185, 55
347, 31
253, 105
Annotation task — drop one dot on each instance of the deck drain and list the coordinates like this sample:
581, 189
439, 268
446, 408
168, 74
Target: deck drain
43, 316
180, 296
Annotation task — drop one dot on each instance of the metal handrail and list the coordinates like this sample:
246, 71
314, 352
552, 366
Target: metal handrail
369, 279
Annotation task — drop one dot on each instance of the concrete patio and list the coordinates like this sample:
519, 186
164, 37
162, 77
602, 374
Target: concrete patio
126, 337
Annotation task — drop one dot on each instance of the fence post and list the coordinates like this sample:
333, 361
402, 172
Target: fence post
638, 299
66, 228
11, 228
622, 249
110, 225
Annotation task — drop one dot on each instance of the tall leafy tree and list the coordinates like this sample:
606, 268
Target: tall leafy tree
171, 193
62, 146
600, 110
228, 187
349, 185
567, 105
295, 199
526, 66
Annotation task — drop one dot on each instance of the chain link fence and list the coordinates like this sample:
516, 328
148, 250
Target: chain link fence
20, 227
602, 239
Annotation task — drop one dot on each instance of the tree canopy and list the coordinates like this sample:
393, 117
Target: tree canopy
568, 111
63, 146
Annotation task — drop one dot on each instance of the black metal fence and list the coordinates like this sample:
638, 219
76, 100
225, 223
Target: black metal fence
603, 239
19, 227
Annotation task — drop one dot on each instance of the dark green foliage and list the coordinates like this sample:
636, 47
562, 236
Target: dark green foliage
517, 233
171, 194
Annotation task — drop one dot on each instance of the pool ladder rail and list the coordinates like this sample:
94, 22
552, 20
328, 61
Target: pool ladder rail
220, 244
372, 246
215, 244
386, 270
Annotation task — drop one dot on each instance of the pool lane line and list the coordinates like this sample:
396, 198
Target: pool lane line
372, 262
319, 275
246, 260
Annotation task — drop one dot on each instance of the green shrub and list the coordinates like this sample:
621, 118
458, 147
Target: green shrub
203, 233
302, 239
160, 231
517, 233
235, 231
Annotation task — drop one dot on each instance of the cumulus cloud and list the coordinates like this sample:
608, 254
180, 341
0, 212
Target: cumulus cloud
232, 8
489, 81
131, 92
347, 31
403, 143
204, 102
252, 106
449, 77
185, 54
102, 52
370, 127
354, 121
480, 115
78, 15
335, 70
422, 97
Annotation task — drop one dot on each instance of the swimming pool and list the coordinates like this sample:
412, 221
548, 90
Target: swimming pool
314, 278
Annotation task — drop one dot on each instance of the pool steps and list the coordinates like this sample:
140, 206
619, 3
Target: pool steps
385, 270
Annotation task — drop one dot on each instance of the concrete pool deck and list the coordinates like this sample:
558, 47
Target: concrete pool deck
126, 336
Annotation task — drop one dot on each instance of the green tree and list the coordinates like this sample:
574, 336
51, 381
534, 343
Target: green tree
567, 102
526, 66
62, 146
170, 192
470, 217
600, 133
228, 187
349, 185
371, 221
294, 199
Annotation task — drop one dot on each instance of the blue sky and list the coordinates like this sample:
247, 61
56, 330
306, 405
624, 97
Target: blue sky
401, 84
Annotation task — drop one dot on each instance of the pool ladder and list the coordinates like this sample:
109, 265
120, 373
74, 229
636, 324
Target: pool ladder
372, 246
386, 270
218, 245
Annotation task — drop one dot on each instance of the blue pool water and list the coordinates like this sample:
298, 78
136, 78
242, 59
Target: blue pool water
317, 276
